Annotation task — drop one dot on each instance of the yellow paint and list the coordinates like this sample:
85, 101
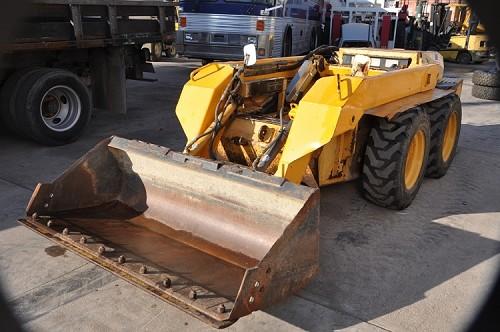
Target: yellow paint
196, 107
450, 136
326, 112
325, 121
335, 159
414, 159
477, 44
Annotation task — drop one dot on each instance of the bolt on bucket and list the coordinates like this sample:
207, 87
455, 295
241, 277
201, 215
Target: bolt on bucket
217, 240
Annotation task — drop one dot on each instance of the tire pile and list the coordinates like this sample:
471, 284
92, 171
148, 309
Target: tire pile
486, 84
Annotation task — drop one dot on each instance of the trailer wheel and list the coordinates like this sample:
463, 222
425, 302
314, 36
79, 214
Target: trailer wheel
395, 159
486, 92
54, 106
464, 58
445, 115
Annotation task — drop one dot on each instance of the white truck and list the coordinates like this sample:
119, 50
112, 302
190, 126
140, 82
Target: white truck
357, 35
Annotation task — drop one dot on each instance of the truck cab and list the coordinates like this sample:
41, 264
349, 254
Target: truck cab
356, 35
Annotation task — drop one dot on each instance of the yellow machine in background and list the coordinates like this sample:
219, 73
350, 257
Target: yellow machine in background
470, 44
467, 49
231, 224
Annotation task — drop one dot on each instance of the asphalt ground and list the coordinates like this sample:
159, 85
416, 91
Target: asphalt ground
427, 268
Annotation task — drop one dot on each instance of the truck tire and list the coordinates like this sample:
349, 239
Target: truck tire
146, 53
54, 106
445, 115
486, 78
395, 159
156, 51
485, 92
464, 58
171, 51
8, 94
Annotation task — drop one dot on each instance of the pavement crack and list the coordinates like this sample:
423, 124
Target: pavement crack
16, 184
149, 321
62, 291
45, 283
315, 300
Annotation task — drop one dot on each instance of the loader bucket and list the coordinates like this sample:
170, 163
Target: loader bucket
217, 240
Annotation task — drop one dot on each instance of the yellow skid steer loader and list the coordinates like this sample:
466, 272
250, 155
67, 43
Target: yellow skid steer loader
231, 224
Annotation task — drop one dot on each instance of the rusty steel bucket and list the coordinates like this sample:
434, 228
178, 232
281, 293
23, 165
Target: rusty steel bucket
217, 240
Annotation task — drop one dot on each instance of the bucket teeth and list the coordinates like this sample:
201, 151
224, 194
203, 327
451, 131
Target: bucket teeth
216, 240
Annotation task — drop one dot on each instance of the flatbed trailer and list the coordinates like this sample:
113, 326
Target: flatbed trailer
67, 57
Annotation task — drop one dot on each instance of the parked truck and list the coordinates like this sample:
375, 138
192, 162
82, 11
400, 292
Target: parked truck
68, 57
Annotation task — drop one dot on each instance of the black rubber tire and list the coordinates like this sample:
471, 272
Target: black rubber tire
8, 112
464, 58
485, 92
439, 112
29, 99
385, 159
171, 51
486, 78
156, 51
287, 43
146, 53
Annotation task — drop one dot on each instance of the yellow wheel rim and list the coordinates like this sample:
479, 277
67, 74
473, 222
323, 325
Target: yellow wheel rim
450, 136
414, 159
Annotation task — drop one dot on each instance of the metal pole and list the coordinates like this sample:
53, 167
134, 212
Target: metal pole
395, 30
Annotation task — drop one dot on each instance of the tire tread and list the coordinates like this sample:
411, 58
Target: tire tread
383, 154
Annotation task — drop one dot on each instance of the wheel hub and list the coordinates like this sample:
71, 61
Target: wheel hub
60, 108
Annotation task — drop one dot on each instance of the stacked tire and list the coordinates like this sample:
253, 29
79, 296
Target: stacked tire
486, 84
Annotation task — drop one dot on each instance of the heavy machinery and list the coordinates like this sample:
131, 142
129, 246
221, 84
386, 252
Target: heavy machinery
452, 29
231, 224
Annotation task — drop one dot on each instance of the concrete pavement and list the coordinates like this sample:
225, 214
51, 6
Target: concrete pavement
426, 268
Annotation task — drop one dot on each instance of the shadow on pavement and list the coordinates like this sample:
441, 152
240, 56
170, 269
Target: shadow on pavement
374, 261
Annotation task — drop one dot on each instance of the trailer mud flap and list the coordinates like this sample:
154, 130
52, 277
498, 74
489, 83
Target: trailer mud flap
216, 240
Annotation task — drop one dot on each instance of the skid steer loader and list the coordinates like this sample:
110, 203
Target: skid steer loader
231, 224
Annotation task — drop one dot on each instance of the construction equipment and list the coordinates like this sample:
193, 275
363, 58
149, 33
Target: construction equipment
452, 29
231, 225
